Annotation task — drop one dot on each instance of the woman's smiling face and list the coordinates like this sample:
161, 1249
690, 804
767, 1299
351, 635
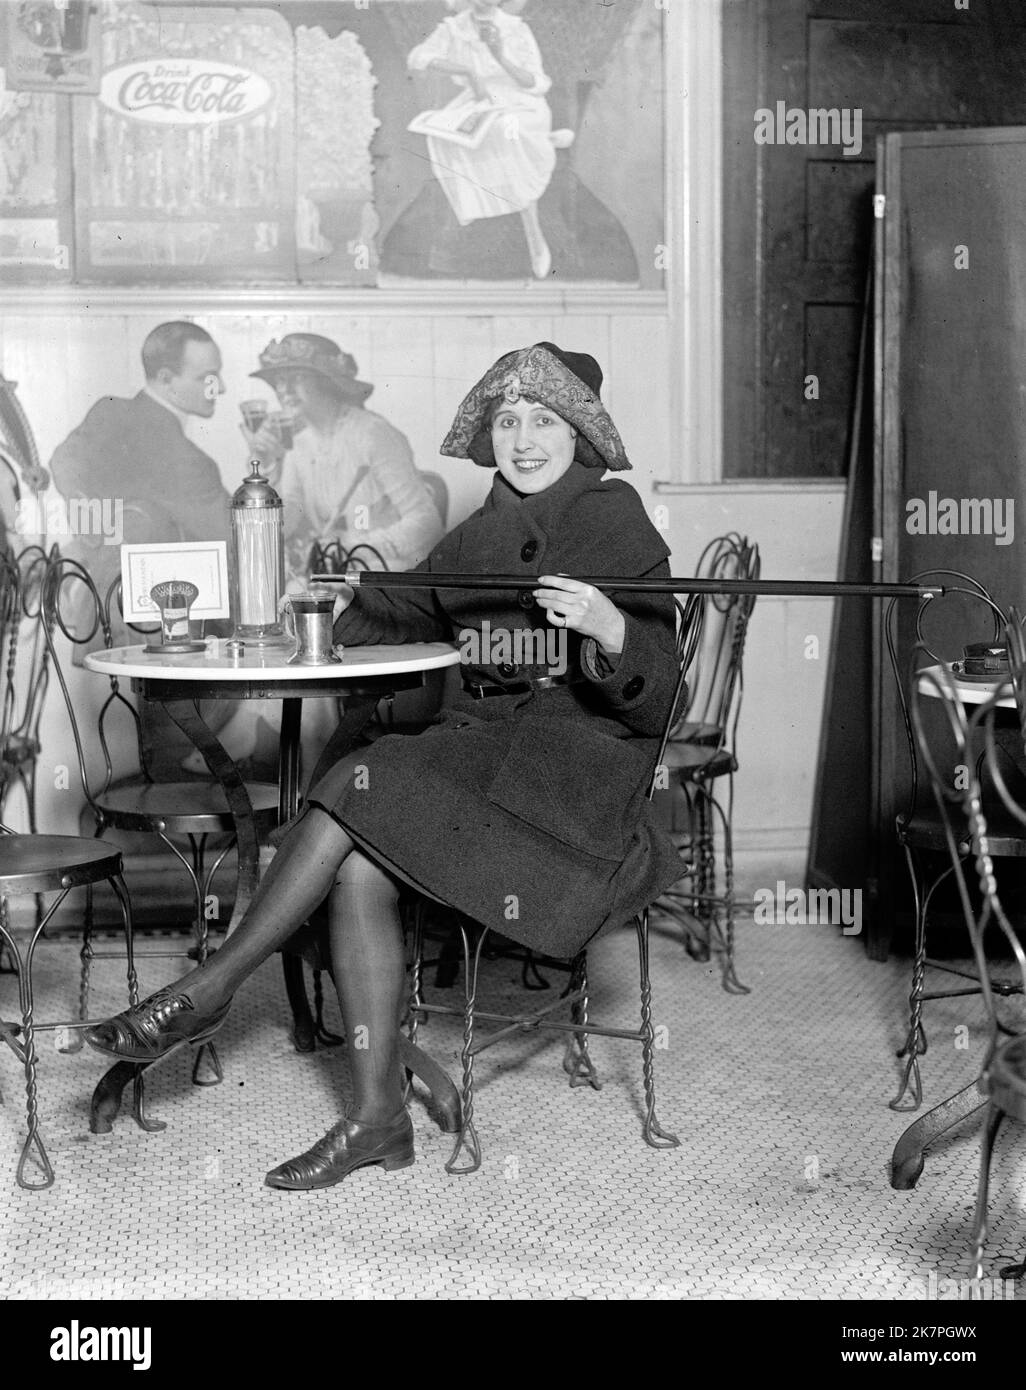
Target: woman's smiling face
533, 445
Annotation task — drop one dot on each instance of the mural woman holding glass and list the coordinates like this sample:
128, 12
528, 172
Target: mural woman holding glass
491, 147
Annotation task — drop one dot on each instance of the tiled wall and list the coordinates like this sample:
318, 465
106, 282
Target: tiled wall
421, 364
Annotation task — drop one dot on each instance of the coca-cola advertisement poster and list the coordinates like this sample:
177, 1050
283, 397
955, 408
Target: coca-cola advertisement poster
51, 45
184, 165
187, 92
337, 143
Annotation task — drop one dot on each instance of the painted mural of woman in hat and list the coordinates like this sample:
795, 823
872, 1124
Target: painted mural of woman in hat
529, 788
348, 474
494, 59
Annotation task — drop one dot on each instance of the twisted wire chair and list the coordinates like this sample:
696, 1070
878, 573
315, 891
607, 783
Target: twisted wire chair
702, 750
40, 865
10, 633
332, 557
577, 1060
970, 844
26, 672
194, 810
921, 832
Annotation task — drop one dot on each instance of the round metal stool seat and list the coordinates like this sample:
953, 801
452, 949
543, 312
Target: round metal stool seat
46, 863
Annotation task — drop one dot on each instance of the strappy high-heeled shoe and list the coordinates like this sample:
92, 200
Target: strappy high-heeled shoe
348, 1145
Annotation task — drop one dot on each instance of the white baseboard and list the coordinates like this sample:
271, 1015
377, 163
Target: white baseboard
764, 856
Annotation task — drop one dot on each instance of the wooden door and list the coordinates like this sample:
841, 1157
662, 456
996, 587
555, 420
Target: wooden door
951, 407
797, 216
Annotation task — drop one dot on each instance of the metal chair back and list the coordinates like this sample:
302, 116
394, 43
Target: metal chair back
23, 654
331, 557
10, 633
960, 806
34, 656
577, 1061
714, 705
92, 616
690, 620
986, 615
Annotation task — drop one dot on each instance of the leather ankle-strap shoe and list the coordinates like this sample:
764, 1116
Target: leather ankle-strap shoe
152, 1029
348, 1145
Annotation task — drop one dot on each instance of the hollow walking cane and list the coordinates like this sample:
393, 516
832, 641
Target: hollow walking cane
805, 588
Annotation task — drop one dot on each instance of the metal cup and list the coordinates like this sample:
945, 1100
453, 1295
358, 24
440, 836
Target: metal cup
254, 413
309, 617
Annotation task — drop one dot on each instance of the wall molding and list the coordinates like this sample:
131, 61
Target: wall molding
758, 487
459, 302
694, 186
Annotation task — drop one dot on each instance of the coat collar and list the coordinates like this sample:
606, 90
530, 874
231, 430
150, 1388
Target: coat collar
583, 523
543, 506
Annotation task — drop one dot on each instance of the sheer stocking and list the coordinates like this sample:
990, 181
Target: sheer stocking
299, 878
369, 965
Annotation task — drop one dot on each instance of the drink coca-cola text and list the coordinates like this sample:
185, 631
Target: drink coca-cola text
185, 93
209, 93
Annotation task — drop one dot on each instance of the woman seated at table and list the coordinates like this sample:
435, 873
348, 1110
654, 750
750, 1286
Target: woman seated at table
524, 805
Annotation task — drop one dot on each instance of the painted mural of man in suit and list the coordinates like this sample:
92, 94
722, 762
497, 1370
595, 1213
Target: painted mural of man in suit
136, 451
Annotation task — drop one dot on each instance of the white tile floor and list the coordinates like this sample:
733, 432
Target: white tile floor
779, 1190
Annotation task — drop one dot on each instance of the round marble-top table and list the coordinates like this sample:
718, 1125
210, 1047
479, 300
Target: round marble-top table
364, 676
938, 680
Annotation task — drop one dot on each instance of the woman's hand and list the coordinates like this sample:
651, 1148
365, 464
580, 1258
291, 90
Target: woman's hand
492, 40
582, 608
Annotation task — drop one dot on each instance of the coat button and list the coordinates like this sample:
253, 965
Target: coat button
529, 551
508, 668
634, 687
525, 598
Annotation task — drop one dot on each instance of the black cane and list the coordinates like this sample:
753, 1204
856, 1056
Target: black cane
810, 588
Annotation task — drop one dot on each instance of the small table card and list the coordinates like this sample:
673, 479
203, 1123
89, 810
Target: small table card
203, 563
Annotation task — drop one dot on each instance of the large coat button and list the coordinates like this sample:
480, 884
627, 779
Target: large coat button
529, 551
634, 687
525, 598
507, 668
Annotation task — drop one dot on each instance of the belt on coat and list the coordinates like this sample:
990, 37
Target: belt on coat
477, 691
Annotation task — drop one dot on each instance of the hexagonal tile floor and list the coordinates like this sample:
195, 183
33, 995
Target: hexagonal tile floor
778, 1190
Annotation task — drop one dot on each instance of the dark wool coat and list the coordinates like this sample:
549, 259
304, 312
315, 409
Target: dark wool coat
527, 812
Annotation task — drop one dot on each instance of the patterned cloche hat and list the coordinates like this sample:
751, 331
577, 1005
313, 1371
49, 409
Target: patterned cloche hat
310, 352
567, 382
